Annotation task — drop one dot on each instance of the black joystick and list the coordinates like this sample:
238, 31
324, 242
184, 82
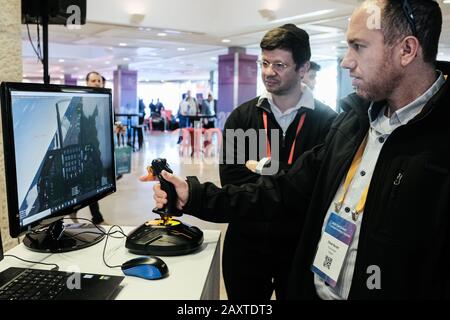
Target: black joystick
165, 236
170, 209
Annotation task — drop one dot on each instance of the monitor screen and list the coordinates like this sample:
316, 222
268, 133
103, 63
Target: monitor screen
59, 150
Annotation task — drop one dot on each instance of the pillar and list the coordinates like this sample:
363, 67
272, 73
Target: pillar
10, 70
68, 80
237, 81
125, 91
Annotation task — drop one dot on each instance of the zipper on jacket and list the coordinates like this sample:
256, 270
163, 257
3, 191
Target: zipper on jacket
396, 184
283, 144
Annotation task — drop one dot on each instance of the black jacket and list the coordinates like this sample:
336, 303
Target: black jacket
405, 229
250, 116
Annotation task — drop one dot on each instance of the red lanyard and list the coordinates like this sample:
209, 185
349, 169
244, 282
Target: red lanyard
299, 127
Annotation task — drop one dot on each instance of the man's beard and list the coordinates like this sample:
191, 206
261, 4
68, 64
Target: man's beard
382, 84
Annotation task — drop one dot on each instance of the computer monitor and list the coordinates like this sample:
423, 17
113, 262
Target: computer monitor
59, 157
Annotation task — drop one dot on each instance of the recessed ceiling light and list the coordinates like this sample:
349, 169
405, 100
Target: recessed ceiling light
226, 40
122, 44
161, 34
61, 60
303, 16
107, 62
213, 58
126, 59
181, 49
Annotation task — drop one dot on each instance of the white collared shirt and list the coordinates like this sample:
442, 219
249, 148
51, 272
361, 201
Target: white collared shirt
380, 129
285, 119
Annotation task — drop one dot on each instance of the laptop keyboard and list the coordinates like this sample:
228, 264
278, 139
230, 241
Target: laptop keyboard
34, 284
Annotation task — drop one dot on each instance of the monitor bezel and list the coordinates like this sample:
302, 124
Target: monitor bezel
15, 228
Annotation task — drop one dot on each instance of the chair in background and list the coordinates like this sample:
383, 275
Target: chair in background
209, 148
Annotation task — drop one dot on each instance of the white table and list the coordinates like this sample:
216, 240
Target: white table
191, 277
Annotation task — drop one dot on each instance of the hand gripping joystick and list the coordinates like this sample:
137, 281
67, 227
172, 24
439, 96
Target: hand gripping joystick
170, 209
165, 236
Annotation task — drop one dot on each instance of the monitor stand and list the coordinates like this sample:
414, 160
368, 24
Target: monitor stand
58, 237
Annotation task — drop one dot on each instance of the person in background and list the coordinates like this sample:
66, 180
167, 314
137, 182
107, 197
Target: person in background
257, 255
188, 107
310, 76
141, 111
374, 198
95, 79
159, 107
208, 107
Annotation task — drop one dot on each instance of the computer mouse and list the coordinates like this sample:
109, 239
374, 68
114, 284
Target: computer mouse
150, 268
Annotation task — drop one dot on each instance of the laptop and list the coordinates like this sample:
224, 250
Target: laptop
36, 284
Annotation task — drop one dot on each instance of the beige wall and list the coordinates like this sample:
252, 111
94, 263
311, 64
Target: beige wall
10, 70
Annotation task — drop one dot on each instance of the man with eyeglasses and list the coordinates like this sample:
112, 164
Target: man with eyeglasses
257, 255
377, 225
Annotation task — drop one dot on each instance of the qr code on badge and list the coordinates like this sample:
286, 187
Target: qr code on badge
327, 262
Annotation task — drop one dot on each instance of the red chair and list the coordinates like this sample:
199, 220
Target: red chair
209, 148
185, 145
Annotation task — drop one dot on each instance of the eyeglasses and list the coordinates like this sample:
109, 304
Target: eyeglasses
409, 14
277, 66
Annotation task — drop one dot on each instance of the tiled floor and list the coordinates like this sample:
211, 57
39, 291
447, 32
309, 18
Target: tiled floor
132, 204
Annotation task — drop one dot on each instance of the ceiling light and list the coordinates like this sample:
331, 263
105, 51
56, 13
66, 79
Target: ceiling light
181, 49
126, 59
173, 31
213, 58
122, 44
61, 60
161, 34
303, 16
226, 40
107, 62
